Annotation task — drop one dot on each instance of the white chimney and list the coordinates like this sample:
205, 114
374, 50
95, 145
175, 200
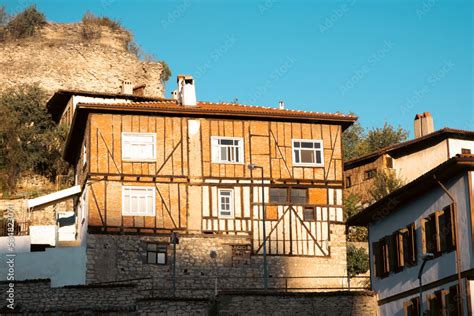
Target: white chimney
281, 105
174, 94
127, 87
423, 124
186, 90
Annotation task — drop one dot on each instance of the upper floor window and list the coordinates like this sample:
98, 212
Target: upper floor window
279, 195
308, 152
369, 174
138, 146
394, 252
138, 201
227, 149
299, 196
226, 203
348, 181
438, 232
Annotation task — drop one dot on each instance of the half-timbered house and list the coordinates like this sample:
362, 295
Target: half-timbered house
151, 168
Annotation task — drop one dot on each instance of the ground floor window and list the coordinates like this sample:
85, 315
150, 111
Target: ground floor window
156, 253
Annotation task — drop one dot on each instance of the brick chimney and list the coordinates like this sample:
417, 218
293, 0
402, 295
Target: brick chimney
186, 90
423, 124
127, 87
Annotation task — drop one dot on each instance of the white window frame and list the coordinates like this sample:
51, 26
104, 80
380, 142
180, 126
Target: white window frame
84, 153
125, 143
305, 164
231, 203
216, 152
149, 189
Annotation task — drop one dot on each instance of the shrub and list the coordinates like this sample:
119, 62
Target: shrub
92, 25
29, 139
165, 72
26, 23
357, 261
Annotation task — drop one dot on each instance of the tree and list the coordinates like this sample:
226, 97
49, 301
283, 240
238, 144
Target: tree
29, 139
352, 206
379, 138
25, 23
384, 183
357, 261
356, 141
353, 140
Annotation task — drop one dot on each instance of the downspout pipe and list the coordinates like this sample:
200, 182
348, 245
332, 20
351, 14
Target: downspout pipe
458, 253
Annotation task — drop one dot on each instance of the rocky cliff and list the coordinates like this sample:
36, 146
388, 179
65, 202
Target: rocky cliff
58, 57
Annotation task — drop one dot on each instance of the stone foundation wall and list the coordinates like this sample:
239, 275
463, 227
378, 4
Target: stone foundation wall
333, 303
112, 258
38, 296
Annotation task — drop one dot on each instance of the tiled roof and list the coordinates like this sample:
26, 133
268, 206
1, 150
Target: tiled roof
225, 109
413, 190
410, 146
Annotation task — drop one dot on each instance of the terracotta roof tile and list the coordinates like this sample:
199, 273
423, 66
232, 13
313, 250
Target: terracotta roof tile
224, 108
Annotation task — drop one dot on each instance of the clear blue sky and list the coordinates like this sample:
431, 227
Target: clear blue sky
385, 62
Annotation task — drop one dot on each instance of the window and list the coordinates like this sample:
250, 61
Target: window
299, 196
394, 252
389, 162
279, 195
156, 253
84, 155
138, 146
226, 204
412, 307
227, 150
348, 182
434, 304
438, 232
369, 174
465, 151
308, 214
308, 152
138, 201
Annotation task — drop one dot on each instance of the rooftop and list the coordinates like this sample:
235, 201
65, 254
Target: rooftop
390, 203
410, 146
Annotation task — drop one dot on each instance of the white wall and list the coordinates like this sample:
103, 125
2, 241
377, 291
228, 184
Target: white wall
64, 266
455, 146
412, 166
440, 267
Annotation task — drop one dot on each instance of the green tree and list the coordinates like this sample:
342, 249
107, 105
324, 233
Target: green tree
357, 260
356, 141
353, 140
384, 183
29, 139
26, 23
352, 206
379, 138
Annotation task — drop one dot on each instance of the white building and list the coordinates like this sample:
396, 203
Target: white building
434, 214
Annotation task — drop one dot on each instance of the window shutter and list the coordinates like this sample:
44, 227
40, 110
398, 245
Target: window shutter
412, 244
450, 228
423, 236
214, 150
377, 255
241, 151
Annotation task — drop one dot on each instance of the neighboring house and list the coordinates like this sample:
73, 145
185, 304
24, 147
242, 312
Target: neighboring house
433, 214
148, 168
410, 159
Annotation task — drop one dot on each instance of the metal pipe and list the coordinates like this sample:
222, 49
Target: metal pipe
456, 232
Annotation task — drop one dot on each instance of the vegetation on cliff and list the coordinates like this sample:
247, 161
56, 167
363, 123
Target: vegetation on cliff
22, 25
29, 140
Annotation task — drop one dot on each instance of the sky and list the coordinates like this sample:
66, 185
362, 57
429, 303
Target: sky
383, 60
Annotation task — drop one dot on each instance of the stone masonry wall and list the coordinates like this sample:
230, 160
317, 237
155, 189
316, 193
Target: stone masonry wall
333, 303
59, 58
113, 258
38, 297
